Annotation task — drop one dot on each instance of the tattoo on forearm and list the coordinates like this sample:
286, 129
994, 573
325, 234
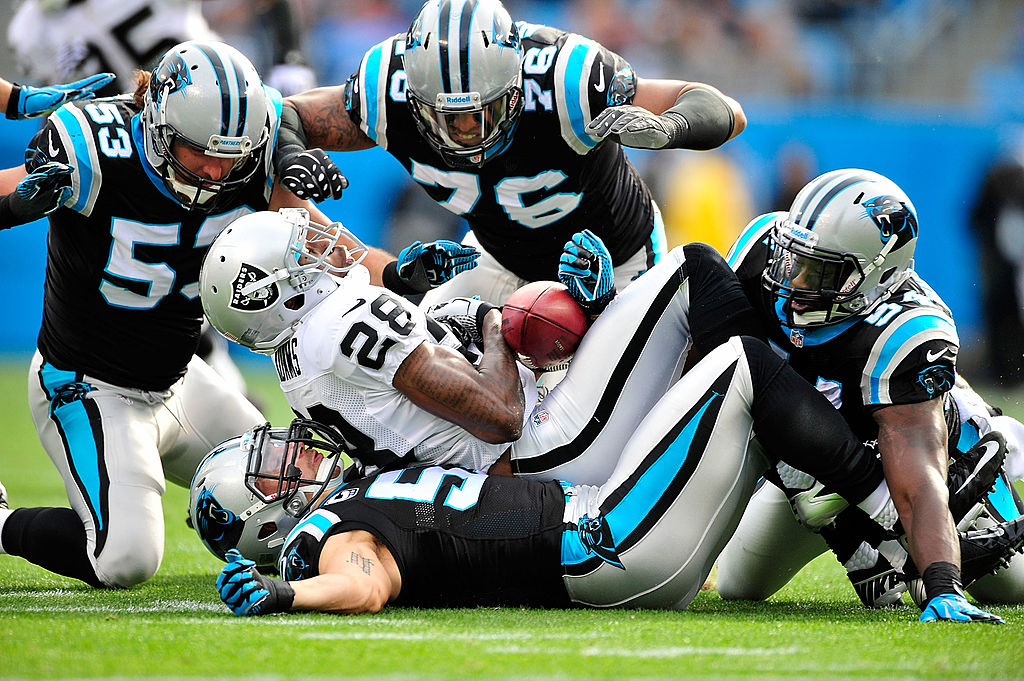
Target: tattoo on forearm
328, 125
365, 564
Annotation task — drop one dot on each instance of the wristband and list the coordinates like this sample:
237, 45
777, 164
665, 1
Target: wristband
941, 578
7, 217
12, 102
389, 277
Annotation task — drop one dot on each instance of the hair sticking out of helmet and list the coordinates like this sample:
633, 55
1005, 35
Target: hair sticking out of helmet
249, 492
267, 270
847, 240
206, 123
464, 79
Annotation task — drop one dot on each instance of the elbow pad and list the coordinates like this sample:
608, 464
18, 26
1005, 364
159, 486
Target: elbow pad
706, 118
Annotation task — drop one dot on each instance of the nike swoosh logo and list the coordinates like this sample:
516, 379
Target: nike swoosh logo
932, 356
990, 451
358, 303
600, 81
49, 143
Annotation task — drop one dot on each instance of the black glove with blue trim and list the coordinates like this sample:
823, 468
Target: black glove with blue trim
423, 266
39, 193
585, 268
247, 592
30, 102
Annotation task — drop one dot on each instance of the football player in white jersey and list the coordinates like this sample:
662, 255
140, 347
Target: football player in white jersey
516, 127
833, 282
60, 40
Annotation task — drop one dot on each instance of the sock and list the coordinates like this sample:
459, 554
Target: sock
4, 515
52, 538
879, 506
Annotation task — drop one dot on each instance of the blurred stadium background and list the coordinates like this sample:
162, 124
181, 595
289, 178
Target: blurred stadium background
928, 92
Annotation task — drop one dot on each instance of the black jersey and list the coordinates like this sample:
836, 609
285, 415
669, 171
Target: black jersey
121, 300
552, 181
460, 538
902, 351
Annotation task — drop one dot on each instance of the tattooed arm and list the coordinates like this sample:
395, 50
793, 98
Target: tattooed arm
325, 121
357, 574
487, 400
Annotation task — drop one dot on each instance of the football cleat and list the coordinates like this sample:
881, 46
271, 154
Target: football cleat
879, 586
3, 496
816, 508
974, 473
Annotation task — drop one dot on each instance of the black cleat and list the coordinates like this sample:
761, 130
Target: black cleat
3, 496
988, 549
880, 586
974, 474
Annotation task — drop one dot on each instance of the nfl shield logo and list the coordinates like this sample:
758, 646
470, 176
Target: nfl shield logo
796, 337
540, 417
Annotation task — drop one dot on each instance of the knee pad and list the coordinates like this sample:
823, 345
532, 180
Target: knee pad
122, 569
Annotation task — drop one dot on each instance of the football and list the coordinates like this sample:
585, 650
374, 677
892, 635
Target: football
543, 324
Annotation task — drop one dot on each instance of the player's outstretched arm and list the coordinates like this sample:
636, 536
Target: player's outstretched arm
357, 575
672, 114
487, 400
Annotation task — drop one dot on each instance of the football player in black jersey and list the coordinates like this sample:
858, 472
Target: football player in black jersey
518, 128
447, 536
833, 281
136, 188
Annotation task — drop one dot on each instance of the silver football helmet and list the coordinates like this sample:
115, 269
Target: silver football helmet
250, 491
464, 78
208, 96
847, 241
266, 270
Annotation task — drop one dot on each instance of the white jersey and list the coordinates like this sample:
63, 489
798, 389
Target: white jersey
91, 36
338, 369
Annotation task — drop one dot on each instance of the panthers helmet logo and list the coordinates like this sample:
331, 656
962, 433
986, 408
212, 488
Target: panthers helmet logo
891, 216
219, 528
170, 76
597, 537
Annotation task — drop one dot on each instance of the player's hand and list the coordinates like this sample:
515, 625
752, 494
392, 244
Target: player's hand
31, 102
464, 316
311, 174
42, 191
247, 592
291, 79
955, 608
635, 126
424, 266
585, 268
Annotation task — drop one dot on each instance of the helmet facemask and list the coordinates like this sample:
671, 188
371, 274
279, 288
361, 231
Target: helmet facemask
296, 469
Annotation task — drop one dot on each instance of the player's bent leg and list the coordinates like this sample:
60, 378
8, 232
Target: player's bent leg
767, 550
102, 441
208, 412
675, 496
1007, 584
626, 361
488, 280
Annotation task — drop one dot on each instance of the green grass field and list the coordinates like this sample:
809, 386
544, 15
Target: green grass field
175, 626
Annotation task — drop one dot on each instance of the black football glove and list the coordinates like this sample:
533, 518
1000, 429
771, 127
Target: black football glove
311, 174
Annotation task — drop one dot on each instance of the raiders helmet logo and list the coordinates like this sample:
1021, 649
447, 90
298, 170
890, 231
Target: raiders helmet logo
260, 299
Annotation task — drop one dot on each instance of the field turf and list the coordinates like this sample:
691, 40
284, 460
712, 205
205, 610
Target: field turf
175, 626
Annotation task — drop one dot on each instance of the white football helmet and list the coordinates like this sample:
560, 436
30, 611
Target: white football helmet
847, 241
208, 96
464, 79
265, 271
250, 491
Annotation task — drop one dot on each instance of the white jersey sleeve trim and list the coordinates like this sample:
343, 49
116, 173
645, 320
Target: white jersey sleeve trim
572, 84
78, 142
373, 91
896, 343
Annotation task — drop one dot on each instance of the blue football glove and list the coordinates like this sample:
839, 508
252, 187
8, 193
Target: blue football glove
39, 193
30, 102
955, 608
586, 270
247, 592
426, 266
